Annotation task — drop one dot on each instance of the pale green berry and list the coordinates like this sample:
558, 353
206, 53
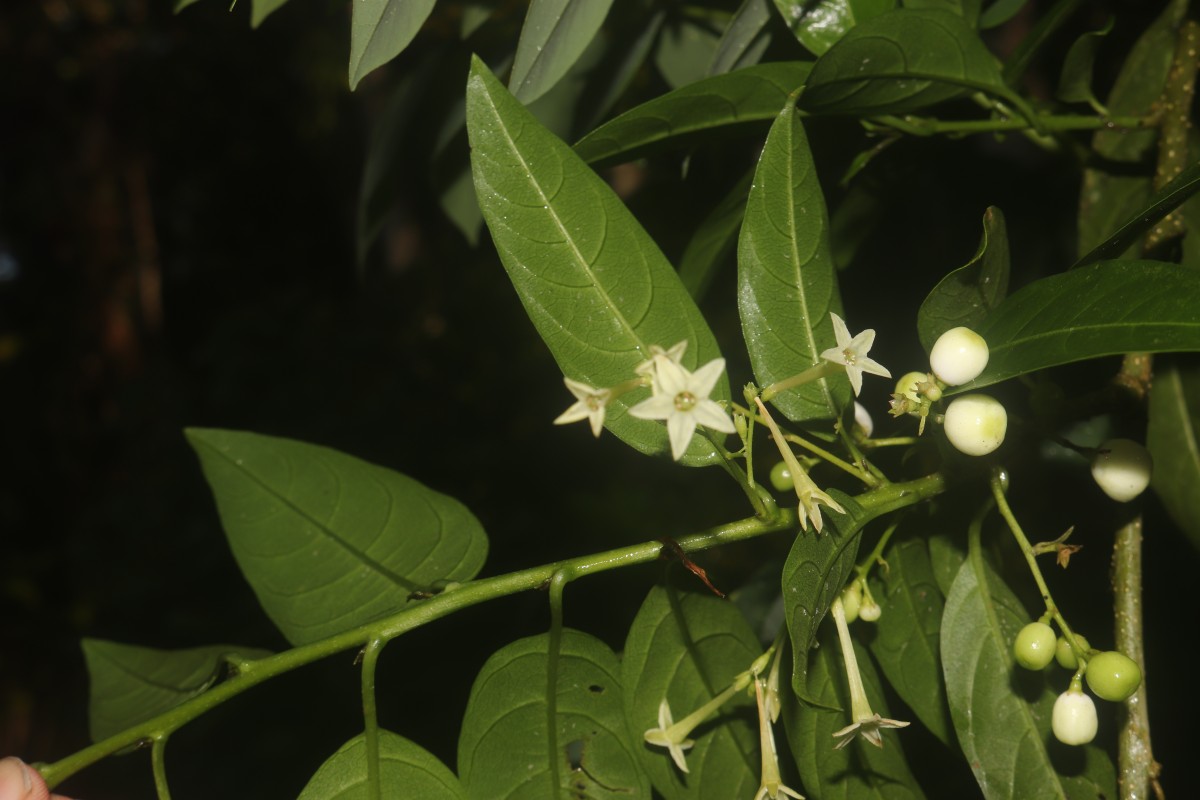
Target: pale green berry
1065, 656
1122, 468
1113, 676
1034, 646
781, 477
870, 610
1074, 718
908, 383
852, 600
976, 424
958, 356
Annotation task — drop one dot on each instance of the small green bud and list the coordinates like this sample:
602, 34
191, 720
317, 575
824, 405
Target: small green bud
1065, 656
1034, 646
1113, 676
781, 477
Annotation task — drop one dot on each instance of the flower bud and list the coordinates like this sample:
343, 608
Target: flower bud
976, 424
862, 418
958, 356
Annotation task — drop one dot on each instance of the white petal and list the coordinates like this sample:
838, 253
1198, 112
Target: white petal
581, 390
664, 715
874, 367
834, 354
661, 406
680, 428
573, 414
855, 376
704, 379
840, 331
672, 378
711, 415
596, 418
861, 344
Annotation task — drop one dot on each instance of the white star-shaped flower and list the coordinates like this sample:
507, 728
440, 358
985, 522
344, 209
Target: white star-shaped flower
646, 368
682, 400
851, 352
662, 736
590, 403
868, 728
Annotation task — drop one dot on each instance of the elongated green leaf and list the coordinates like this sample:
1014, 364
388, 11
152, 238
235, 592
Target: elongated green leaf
380, 30
405, 770
327, 541
900, 61
907, 639
554, 36
787, 284
131, 684
748, 97
815, 572
261, 9
687, 648
507, 747
1100, 310
818, 24
858, 771
1174, 441
593, 282
685, 48
714, 240
1075, 82
946, 556
1002, 715
1000, 12
633, 40
968, 294
1163, 202
745, 40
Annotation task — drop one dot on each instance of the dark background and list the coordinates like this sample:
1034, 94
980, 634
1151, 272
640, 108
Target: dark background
177, 248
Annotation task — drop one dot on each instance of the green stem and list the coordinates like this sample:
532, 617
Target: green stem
158, 764
1031, 560
762, 503
877, 554
920, 126
816, 450
370, 657
822, 370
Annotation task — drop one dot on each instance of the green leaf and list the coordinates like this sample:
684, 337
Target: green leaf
858, 771
733, 102
1164, 201
1174, 441
593, 282
686, 46
787, 284
1103, 309
818, 24
261, 9
633, 38
745, 40
1002, 715
714, 240
816, 570
946, 557
329, 542
1043, 30
968, 294
1000, 12
131, 684
1075, 82
180, 5
554, 36
380, 30
967, 9
906, 643
405, 770
687, 648
508, 748
900, 61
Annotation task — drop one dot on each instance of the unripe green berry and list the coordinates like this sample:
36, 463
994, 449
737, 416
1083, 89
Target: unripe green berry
870, 610
1074, 718
1065, 656
781, 477
1122, 468
958, 356
1113, 676
852, 600
1034, 646
976, 424
907, 385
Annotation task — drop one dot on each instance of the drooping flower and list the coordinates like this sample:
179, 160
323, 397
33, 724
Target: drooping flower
681, 398
669, 736
851, 352
809, 494
866, 723
590, 404
770, 784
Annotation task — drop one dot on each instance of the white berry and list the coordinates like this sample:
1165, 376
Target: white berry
976, 424
1122, 468
958, 356
1074, 718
